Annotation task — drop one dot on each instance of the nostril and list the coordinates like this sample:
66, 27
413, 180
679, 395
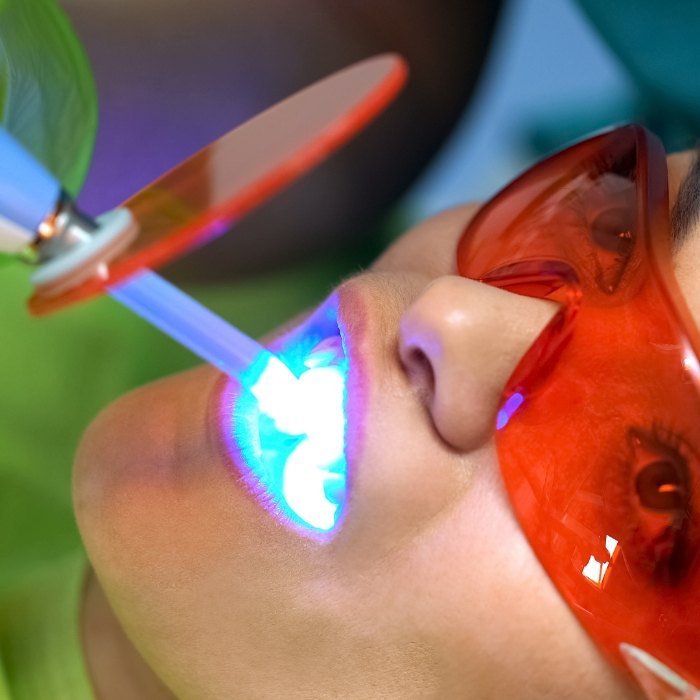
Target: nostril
419, 370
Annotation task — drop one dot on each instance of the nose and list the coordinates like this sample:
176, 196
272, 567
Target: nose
459, 343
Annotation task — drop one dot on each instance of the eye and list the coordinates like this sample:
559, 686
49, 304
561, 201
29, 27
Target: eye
611, 213
612, 230
663, 535
661, 487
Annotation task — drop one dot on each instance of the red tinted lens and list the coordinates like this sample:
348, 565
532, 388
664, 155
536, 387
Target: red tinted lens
600, 455
203, 196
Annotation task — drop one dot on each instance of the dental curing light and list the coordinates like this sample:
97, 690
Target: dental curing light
202, 197
306, 482
36, 213
293, 405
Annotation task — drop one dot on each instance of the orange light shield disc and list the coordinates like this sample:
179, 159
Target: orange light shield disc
602, 457
203, 196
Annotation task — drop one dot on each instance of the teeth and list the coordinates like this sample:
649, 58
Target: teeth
304, 487
277, 393
311, 489
302, 429
327, 353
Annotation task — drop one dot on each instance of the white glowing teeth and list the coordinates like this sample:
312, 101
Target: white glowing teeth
277, 393
304, 488
309, 408
322, 395
306, 472
309, 405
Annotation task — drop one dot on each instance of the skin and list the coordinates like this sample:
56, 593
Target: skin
428, 590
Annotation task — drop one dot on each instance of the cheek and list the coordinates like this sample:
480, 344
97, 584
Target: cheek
404, 477
139, 488
503, 629
430, 247
426, 595
213, 592
157, 507
218, 608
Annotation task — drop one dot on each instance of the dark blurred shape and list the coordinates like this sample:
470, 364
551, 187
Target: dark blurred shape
172, 75
658, 45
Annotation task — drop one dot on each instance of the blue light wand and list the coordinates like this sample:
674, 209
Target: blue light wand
35, 212
296, 443
190, 323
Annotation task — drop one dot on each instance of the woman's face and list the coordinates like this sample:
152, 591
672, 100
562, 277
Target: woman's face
427, 589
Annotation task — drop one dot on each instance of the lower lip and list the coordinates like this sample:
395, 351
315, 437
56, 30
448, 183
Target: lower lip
298, 474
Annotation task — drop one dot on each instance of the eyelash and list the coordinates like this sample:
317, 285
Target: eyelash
659, 543
670, 438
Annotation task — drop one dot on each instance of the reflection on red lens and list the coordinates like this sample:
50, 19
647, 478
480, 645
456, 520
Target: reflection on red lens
601, 460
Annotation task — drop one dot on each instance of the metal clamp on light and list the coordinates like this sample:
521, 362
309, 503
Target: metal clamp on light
37, 215
293, 404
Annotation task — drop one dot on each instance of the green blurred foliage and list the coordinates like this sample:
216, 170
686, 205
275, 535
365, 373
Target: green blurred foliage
47, 94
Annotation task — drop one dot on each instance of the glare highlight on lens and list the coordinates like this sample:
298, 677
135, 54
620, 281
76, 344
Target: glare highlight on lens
506, 412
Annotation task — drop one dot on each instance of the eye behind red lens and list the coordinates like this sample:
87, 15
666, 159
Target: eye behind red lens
614, 522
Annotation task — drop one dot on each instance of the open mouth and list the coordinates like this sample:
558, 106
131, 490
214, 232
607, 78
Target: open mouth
289, 430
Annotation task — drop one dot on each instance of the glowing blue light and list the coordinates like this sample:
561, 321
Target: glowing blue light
290, 417
511, 405
301, 431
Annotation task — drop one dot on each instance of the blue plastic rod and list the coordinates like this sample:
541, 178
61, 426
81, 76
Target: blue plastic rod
189, 323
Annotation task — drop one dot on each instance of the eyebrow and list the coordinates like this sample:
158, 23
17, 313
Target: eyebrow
686, 209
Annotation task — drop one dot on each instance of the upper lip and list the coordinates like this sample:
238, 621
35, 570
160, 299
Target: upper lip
342, 314
354, 324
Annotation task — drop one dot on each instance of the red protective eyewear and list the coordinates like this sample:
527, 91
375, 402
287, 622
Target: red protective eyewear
598, 435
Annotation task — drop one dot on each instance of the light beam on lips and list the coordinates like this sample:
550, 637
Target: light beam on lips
289, 429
